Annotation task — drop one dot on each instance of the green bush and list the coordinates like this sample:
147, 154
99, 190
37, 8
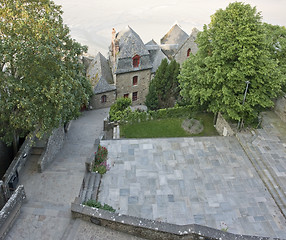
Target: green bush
94, 203
120, 109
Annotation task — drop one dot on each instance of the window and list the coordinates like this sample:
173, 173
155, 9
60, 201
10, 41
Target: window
188, 53
126, 95
103, 98
134, 96
136, 61
135, 80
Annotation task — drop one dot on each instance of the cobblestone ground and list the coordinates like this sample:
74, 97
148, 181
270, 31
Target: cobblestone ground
208, 181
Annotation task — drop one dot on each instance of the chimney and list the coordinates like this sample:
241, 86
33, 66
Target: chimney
113, 36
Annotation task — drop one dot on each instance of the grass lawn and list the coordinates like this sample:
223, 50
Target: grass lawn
170, 127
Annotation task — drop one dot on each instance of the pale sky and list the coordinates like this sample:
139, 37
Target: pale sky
91, 21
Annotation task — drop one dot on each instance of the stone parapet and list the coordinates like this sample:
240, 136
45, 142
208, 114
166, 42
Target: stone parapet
280, 108
151, 229
11, 210
222, 126
54, 145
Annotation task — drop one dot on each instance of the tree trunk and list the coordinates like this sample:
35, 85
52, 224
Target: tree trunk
15, 143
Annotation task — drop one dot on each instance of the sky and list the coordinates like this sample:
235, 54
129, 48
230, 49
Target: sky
91, 21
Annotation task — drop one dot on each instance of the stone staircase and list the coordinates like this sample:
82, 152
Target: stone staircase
90, 186
261, 164
39, 147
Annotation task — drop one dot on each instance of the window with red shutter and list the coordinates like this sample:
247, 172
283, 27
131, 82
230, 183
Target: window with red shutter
188, 53
103, 98
136, 61
135, 80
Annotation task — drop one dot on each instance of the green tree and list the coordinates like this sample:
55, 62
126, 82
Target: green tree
120, 109
232, 50
163, 89
43, 82
276, 39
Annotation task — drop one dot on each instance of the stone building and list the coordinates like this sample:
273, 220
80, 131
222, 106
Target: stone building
100, 76
131, 64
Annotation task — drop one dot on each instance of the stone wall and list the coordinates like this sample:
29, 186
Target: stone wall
96, 103
89, 163
3, 198
11, 210
124, 85
181, 54
280, 108
222, 126
18, 162
151, 229
54, 144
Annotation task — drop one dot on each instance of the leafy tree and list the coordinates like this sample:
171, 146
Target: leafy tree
120, 109
163, 89
232, 50
43, 82
276, 39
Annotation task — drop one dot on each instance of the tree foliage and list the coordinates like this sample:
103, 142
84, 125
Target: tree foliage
233, 49
163, 89
276, 40
43, 82
120, 109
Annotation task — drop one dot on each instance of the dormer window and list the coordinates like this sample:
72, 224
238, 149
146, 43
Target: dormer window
136, 61
188, 52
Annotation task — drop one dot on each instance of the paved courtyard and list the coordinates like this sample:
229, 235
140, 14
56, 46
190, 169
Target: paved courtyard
208, 181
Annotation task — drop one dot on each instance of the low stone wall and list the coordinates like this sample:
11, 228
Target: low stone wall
17, 163
11, 210
54, 145
151, 229
280, 108
3, 198
222, 126
89, 163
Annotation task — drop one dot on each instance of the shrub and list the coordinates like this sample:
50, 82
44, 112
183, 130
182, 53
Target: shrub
101, 154
101, 168
96, 204
119, 109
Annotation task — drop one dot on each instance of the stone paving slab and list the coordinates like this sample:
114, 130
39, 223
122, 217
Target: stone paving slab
208, 181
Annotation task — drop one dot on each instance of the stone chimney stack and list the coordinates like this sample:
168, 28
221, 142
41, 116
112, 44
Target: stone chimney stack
113, 36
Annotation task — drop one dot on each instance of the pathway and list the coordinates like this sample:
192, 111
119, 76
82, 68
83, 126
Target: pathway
47, 214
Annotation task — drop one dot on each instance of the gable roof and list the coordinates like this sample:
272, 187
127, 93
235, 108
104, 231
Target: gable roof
130, 44
99, 74
156, 54
175, 36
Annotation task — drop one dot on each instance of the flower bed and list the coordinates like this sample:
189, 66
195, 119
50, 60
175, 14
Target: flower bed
100, 160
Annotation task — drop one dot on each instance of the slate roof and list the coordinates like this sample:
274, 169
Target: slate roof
130, 44
176, 35
156, 54
100, 76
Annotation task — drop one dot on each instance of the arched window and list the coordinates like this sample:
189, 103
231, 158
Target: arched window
135, 80
188, 52
103, 98
136, 61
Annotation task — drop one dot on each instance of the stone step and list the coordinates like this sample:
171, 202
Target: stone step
84, 187
265, 173
37, 150
96, 186
90, 186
